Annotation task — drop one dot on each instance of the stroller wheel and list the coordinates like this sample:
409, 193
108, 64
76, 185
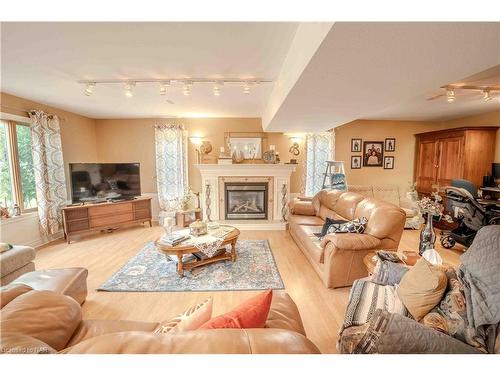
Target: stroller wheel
447, 242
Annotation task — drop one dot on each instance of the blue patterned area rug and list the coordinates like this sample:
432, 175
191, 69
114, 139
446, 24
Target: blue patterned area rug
152, 271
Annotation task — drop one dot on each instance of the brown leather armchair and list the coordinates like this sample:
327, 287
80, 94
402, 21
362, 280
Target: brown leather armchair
35, 321
338, 258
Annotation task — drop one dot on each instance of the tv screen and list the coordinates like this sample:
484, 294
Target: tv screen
97, 182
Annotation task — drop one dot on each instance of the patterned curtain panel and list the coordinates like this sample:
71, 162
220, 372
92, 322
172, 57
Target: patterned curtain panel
171, 164
319, 149
48, 163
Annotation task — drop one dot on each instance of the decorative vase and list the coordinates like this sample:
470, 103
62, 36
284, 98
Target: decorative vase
427, 236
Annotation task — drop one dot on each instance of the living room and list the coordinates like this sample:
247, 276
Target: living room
276, 188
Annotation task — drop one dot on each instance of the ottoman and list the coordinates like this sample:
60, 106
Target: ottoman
15, 262
68, 281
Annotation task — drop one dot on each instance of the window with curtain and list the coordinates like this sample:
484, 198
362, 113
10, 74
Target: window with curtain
17, 178
171, 164
319, 149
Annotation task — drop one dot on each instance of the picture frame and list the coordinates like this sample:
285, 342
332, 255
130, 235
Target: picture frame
356, 162
388, 162
356, 144
390, 145
251, 145
373, 153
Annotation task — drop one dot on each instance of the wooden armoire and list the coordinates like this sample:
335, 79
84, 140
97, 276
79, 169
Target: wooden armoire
445, 155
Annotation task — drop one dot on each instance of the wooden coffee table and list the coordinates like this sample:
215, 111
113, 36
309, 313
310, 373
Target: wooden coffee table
181, 250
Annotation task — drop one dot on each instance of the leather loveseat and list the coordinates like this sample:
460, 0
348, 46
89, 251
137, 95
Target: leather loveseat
338, 258
43, 321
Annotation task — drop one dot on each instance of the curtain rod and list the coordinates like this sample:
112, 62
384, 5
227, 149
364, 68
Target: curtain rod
28, 112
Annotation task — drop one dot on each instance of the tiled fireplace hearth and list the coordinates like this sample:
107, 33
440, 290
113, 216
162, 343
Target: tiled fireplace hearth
248, 196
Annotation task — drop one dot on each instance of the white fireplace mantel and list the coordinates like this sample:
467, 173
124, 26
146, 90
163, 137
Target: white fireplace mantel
211, 195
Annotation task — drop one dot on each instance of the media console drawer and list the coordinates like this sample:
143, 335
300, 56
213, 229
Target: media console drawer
111, 219
110, 209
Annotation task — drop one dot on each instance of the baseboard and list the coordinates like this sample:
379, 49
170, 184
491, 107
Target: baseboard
44, 242
256, 224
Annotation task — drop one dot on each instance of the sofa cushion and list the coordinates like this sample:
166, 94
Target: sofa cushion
386, 221
328, 223
191, 319
250, 314
15, 258
422, 288
47, 316
92, 328
410, 212
346, 204
364, 190
387, 193
12, 291
305, 220
311, 243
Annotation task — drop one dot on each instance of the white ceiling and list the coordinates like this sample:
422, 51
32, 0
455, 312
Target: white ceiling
43, 61
387, 71
355, 70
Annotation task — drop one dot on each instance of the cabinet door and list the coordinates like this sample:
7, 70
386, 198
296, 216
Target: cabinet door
450, 160
426, 165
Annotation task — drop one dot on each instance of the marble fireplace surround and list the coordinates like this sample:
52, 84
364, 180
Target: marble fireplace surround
277, 176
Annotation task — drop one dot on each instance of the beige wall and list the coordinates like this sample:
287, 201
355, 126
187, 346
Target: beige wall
78, 133
129, 140
404, 156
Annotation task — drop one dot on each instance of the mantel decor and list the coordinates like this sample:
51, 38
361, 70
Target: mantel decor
246, 146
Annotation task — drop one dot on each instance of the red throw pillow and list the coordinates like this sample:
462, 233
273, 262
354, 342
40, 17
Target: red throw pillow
250, 314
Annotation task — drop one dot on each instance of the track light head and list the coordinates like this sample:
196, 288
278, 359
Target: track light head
89, 88
487, 96
129, 89
186, 90
216, 89
163, 87
450, 95
246, 88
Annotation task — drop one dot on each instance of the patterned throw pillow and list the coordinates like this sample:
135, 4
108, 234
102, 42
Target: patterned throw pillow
354, 226
191, 319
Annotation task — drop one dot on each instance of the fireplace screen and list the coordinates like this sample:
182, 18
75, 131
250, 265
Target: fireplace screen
246, 200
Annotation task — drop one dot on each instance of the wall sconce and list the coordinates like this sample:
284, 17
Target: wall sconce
201, 147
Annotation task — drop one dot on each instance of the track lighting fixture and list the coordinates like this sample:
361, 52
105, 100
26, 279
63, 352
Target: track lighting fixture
89, 89
129, 89
163, 87
450, 95
165, 84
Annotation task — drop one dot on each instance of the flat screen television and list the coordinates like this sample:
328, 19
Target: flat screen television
98, 182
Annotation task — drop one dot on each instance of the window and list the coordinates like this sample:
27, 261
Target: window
319, 149
17, 178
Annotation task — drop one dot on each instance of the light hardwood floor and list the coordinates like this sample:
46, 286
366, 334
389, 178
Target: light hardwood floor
322, 309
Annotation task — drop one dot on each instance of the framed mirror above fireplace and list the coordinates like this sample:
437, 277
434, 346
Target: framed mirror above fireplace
246, 200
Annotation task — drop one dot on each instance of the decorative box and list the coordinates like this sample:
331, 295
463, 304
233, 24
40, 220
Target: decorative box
198, 228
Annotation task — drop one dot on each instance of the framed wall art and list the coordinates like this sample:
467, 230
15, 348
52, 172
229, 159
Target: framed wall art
390, 145
389, 162
355, 162
356, 145
373, 153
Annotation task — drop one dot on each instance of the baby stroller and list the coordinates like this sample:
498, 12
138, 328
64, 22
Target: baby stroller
471, 215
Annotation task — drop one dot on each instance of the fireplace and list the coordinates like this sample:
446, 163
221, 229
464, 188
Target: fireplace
246, 200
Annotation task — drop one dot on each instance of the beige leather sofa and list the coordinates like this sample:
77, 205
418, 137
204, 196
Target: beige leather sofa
42, 321
392, 194
338, 258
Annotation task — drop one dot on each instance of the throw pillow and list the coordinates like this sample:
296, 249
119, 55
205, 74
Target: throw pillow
388, 273
5, 246
250, 314
354, 226
327, 224
422, 288
191, 319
